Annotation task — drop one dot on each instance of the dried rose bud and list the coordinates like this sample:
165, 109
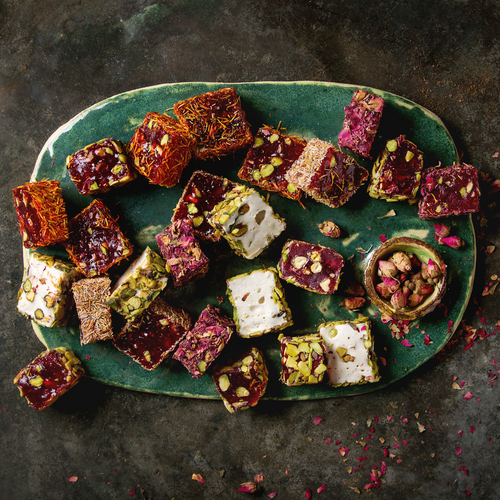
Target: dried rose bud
386, 268
354, 288
453, 242
248, 487
433, 270
423, 288
414, 260
352, 303
383, 290
401, 261
329, 228
414, 300
391, 283
423, 272
403, 277
442, 231
398, 299
406, 291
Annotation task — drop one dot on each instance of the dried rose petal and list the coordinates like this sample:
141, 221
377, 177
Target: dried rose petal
308, 494
248, 487
469, 395
317, 420
321, 488
406, 343
259, 478
198, 477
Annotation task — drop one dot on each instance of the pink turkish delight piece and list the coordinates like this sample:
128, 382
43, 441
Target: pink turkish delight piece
362, 118
205, 341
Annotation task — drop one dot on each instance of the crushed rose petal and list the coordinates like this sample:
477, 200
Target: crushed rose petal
317, 420
321, 488
198, 477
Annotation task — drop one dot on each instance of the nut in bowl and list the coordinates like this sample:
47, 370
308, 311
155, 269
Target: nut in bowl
405, 278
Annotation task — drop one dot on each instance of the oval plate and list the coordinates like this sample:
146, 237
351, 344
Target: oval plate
309, 109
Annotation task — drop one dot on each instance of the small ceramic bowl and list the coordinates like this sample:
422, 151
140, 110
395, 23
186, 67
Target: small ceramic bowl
423, 252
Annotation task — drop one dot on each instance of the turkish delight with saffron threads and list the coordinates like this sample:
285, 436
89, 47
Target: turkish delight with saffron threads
139, 285
326, 173
160, 149
350, 352
151, 337
259, 303
302, 359
269, 158
45, 293
218, 122
95, 241
202, 192
205, 341
246, 221
362, 118
48, 377
242, 383
448, 191
313, 267
182, 252
397, 172
100, 166
90, 296
41, 213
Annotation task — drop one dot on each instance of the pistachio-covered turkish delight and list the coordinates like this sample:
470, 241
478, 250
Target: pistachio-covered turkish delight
182, 252
397, 171
139, 285
95, 241
269, 158
259, 304
448, 191
202, 192
326, 173
151, 337
100, 166
350, 352
302, 359
242, 383
217, 121
313, 267
45, 294
160, 149
41, 213
246, 221
94, 313
362, 118
48, 377
205, 341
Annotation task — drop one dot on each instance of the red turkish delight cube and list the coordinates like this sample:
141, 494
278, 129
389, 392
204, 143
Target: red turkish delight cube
160, 149
205, 341
241, 384
48, 377
362, 118
182, 252
100, 166
95, 241
313, 267
217, 121
449, 191
270, 157
41, 213
151, 337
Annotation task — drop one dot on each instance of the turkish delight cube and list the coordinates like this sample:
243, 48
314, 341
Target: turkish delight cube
449, 191
397, 171
139, 285
313, 267
241, 384
48, 377
90, 296
182, 252
302, 359
95, 241
205, 341
246, 221
350, 352
202, 192
362, 118
100, 166
326, 173
45, 293
41, 213
259, 303
151, 337
160, 149
269, 158
218, 122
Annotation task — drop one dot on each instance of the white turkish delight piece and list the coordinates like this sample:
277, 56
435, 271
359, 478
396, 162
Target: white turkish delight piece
350, 352
259, 303
45, 296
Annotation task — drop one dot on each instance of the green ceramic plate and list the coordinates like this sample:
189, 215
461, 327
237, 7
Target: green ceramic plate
310, 109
